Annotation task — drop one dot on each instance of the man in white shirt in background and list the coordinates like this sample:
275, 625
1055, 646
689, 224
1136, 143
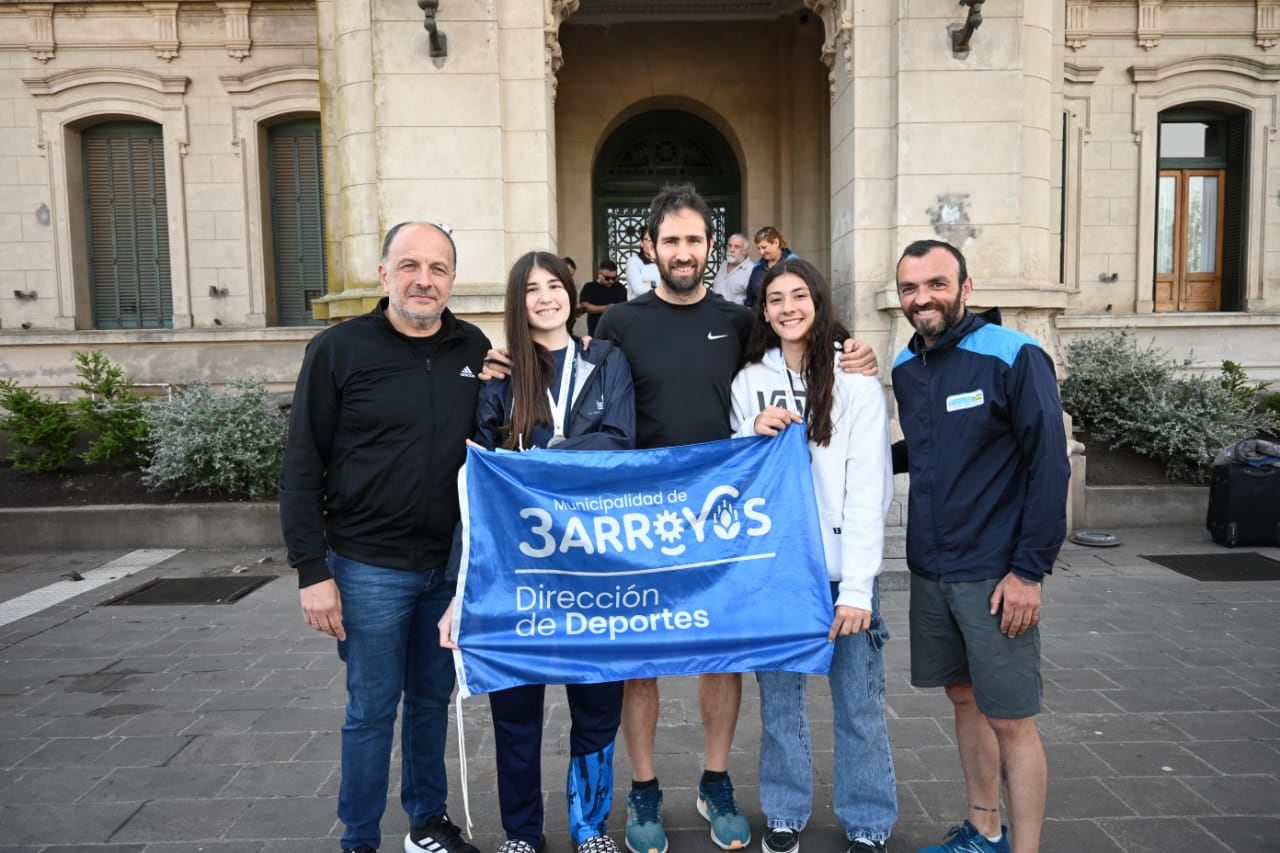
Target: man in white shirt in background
734, 274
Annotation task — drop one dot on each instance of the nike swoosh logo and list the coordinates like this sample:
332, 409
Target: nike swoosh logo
712, 337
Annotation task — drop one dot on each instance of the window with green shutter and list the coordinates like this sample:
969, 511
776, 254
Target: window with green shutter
127, 225
297, 219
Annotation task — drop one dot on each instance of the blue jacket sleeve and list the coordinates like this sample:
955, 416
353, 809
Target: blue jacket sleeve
617, 429
491, 414
1036, 409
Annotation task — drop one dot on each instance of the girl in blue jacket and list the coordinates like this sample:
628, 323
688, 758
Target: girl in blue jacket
791, 377
557, 395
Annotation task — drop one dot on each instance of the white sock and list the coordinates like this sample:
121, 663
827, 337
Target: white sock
994, 839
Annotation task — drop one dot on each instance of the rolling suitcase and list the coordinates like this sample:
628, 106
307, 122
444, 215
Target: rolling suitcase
1244, 505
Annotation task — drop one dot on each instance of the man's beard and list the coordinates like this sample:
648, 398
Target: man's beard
951, 315
683, 282
734, 259
416, 319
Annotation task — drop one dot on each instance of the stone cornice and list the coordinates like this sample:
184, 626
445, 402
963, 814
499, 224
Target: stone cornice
269, 77
1074, 73
60, 82
1243, 66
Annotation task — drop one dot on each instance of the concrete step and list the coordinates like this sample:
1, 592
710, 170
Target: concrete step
895, 543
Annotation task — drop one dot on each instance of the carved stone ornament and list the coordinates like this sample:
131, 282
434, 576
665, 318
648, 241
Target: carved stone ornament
837, 22
1150, 25
40, 17
553, 14
1268, 26
1077, 23
237, 16
166, 18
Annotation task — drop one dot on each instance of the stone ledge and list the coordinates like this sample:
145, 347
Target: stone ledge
1144, 506
257, 525
129, 526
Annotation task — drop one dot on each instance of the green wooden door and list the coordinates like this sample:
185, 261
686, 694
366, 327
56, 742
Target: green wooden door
127, 225
297, 220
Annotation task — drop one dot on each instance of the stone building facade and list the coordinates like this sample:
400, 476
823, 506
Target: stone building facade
196, 187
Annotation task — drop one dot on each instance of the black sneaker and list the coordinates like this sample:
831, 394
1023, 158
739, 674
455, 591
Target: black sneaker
781, 839
361, 850
438, 836
862, 845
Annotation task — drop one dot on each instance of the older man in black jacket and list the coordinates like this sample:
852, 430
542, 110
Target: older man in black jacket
368, 503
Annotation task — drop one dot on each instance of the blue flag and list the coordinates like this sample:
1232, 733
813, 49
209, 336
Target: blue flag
590, 566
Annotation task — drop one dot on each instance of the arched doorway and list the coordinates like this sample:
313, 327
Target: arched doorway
652, 149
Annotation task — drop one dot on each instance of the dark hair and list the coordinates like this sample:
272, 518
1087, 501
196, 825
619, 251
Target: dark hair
674, 198
395, 229
570, 262
920, 248
773, 235
609, 265
826, 333
533, 369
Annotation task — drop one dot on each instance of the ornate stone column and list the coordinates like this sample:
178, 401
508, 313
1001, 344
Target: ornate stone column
467, 139
929, 144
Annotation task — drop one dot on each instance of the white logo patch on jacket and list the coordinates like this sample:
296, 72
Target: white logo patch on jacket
967, 400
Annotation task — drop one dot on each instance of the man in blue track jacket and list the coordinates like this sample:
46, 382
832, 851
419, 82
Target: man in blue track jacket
980, 411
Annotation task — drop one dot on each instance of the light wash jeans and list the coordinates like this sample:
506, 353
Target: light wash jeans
392, 651
865, 797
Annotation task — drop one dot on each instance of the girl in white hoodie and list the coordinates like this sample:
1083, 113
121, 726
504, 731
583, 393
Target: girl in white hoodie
791, 377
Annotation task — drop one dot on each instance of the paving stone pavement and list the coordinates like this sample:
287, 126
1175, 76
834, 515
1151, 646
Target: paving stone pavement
215, 728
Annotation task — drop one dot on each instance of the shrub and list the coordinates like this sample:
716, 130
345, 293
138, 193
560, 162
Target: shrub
1127, 396
1271, 405
43, 432
111, 414
230, 443
1108, 378
1235, 380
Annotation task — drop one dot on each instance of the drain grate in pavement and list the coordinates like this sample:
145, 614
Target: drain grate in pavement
1220, 568
215, 590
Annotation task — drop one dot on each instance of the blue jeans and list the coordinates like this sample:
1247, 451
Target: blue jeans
865, 797
392, 650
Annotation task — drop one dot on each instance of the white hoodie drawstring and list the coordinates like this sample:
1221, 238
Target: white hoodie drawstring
462, 763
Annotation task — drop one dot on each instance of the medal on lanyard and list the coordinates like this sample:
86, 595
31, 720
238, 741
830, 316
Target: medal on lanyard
560, 405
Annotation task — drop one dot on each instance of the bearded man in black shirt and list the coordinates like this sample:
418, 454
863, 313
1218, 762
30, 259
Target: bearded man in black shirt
685, 344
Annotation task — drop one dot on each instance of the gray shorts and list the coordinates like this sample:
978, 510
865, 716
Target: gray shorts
956, 640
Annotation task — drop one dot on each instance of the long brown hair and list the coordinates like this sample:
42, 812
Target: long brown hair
533, 368
826, 333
